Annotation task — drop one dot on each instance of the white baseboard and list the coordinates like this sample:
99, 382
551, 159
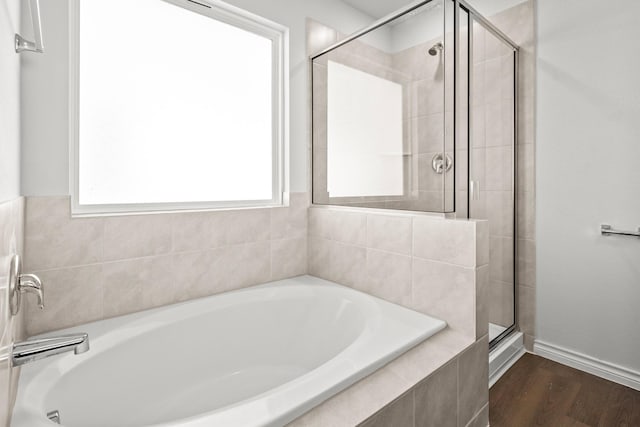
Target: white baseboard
600, 368
504, 356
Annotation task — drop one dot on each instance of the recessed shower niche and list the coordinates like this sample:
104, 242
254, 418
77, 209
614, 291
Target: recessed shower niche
418, 113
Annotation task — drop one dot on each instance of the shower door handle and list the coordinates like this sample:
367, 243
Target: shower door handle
24, 45
475, 190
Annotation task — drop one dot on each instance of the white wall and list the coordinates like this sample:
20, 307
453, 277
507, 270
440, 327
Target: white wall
45, 88
9, 102
588, 133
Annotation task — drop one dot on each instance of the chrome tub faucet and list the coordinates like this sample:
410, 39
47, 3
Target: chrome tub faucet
37, 349
41, 348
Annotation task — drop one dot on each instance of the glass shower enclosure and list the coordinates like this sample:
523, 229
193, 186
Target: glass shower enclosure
418, 112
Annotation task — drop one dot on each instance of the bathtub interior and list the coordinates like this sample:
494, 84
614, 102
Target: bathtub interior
165, 374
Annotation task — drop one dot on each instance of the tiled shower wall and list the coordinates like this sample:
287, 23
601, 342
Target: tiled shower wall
422, 79
491, 162
491, 141
519, 24
100, 267
421, 130
11, 327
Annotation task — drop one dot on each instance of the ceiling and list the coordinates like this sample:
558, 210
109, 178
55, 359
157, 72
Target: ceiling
378, 8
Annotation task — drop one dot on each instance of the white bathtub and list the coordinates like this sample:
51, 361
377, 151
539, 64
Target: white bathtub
261, 356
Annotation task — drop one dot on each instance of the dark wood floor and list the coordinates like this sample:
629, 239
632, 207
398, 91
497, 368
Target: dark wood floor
539, 392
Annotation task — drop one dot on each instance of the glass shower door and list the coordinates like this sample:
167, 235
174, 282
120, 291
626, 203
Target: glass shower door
491, 183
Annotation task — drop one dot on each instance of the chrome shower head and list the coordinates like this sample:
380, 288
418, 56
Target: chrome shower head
436, 49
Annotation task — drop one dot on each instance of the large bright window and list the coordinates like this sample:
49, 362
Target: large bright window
179, 105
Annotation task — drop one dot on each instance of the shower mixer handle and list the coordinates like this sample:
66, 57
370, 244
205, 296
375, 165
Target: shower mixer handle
20, 283
30, 283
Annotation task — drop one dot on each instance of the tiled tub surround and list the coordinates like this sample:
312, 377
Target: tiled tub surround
430, 264
11, 327
441, 382
100, 267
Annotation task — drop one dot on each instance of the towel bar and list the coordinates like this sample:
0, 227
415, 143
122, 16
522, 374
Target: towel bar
606, 230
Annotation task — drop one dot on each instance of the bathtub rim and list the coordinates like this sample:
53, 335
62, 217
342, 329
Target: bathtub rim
109, 327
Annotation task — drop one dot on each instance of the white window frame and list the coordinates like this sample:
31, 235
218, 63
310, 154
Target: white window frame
223, 12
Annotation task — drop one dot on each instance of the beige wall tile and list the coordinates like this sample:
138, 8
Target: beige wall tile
430, 355
348, 264
54, 240
350, 228
444, 240
479, 42
198, 273
527, 262
478, 126
499, 163
138, 284
478, 85
478, 170
526, 309
501, 303
526, 167
288, 258
526, 215
167, 287
494, 122
136, 236
483, 303
399, 413
500, 212
354, 405
473, 374
428, 131
291, 222
209, 251
492, 93
319, 262
436, 402
461, 171
196, 231
501, 258
245, 226
388, 276
243, 265
482, 238
428, 179
390, 233
321, 222
447, 292
223, 269
73, 296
